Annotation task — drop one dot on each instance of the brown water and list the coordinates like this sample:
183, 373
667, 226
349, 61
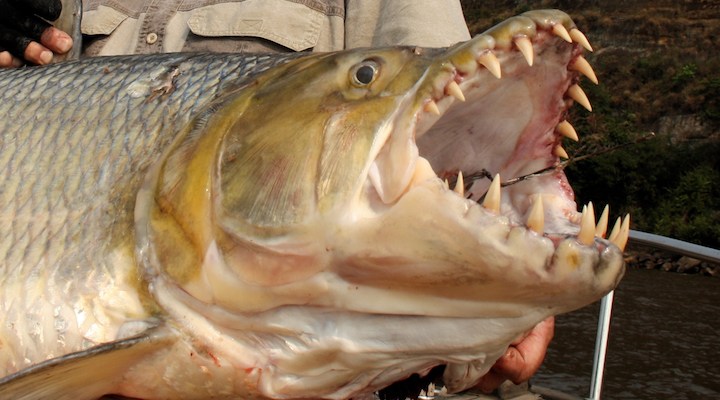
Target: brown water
664, 341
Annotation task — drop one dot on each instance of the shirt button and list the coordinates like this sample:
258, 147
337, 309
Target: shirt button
151, 38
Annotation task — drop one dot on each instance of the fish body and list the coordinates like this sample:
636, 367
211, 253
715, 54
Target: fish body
77, 138
235, 226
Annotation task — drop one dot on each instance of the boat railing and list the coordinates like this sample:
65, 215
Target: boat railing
601, 342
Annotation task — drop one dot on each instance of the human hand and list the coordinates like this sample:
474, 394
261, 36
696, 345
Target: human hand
522, 359
26, 35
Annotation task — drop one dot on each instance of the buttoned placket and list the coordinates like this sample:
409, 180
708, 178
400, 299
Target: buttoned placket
152, 30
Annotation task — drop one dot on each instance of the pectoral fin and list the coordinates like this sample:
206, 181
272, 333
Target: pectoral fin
86, 374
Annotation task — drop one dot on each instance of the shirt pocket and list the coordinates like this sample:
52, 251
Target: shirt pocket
101, 21
289, 24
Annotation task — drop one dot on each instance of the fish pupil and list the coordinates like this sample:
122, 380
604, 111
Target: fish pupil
365, 74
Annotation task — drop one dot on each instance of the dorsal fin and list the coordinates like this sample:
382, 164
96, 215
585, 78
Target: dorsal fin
87, 374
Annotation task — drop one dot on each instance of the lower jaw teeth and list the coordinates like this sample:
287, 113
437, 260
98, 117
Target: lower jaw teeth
589, 229
536, 219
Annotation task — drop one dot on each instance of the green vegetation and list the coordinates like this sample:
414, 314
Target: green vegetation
669, 184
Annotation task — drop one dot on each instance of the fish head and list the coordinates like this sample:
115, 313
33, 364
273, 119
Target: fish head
307, 214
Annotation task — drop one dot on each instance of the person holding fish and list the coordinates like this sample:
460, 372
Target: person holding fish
141, 27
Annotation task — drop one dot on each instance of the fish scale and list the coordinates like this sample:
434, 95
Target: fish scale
64, 191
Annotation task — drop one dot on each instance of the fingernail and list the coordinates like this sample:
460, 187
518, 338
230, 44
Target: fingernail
64, 44
46, 57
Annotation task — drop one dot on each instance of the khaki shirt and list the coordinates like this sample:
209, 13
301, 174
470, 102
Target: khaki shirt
115, 27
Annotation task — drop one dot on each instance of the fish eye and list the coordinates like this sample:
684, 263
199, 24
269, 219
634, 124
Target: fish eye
364, 73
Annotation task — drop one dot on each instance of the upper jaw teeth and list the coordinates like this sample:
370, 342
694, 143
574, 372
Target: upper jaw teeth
580, 38
582, 66
559, 30
453, 89
525, 46
487, 60
576, 93
491, 63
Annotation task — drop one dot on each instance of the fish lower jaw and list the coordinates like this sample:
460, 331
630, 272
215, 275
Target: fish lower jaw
544, 207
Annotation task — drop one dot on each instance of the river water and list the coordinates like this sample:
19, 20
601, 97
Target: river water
664, 341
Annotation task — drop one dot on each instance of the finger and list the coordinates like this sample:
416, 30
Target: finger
523, 360
22, 46
48, 9
7, 60
56, 40
538, 339
38, 54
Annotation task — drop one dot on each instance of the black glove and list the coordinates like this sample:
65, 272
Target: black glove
25, 21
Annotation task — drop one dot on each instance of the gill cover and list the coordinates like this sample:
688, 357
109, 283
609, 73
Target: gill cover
242, 201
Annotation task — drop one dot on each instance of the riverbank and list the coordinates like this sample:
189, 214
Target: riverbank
639, 257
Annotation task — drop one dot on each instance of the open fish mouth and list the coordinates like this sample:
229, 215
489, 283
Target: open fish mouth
491, 127
488, 129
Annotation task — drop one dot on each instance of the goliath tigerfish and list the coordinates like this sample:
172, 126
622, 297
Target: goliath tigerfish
229, 226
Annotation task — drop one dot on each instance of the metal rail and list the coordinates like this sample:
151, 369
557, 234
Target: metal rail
601, 342
639, 238
675, 246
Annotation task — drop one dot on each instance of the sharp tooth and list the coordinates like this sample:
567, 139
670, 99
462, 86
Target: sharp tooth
560, 30
525, 46
447, 185
432, 107
579, 37
582, 66
536, 219
621, 240
601, 227
567, 130
577, 94
615, 230
492, 197
560, 152
491, 62
460, 185
454, 90
591, 211
586, 235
